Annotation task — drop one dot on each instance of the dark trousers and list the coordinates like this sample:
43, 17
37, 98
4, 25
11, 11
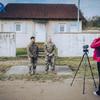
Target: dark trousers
33, 63
98, 66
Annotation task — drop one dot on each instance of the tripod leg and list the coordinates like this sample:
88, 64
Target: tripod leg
77, 70
84, 79
91, 72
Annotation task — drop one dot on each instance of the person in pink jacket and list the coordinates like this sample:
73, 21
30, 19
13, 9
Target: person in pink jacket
96, 56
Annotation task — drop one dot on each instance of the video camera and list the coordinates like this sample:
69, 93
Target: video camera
85, 48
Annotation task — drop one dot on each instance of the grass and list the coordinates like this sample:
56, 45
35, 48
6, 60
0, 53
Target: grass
21, 59
4, 67
72, 62
2, 76
21, 51
37, 77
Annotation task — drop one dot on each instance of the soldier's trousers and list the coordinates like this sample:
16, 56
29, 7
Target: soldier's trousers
50, 62
33, 63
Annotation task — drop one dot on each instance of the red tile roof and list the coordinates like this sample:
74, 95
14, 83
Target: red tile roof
40, 11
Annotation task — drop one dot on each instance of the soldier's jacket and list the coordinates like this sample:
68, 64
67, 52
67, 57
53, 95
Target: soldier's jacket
50, 49
32, 50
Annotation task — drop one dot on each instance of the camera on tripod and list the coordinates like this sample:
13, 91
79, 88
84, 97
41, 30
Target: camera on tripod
85, 48
84, 58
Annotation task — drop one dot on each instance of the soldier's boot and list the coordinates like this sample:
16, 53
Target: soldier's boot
53, 68
30, 70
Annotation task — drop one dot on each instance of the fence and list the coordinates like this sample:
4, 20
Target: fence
7, 44
71, 44
68, 44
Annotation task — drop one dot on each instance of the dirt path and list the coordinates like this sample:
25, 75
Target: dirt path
30, 90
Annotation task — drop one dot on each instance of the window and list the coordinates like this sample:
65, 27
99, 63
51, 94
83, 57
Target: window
62, 27
18, 27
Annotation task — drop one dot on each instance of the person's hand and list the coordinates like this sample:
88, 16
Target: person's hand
51, 54
47, 54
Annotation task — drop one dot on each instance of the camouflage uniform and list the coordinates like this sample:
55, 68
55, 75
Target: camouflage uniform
50, 55
32, 51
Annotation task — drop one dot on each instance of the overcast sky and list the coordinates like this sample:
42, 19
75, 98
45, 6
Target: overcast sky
89, 8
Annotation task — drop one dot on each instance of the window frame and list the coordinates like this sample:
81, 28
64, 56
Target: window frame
20, 27
62, 25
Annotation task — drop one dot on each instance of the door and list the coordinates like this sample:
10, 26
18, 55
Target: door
40, 30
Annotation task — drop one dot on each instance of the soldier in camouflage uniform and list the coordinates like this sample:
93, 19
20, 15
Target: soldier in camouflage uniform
50, 51
32, 51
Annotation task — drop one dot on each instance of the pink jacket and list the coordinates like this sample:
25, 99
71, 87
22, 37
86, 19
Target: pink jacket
96, 45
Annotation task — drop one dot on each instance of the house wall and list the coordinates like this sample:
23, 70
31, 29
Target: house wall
28, 28
70, 26
68, 44
23, 36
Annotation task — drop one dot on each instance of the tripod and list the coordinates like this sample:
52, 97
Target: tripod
84, 57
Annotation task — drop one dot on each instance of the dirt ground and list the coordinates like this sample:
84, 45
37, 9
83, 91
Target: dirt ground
34, 90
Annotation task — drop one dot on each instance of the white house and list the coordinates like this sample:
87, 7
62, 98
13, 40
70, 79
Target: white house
40, 20
58, 21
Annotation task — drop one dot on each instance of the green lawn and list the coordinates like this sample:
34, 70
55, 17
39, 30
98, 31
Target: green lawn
21, 51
